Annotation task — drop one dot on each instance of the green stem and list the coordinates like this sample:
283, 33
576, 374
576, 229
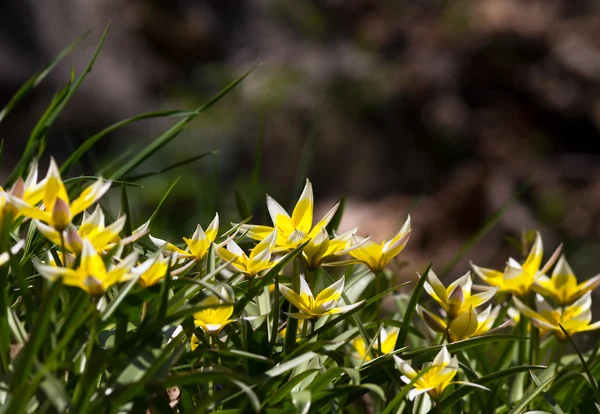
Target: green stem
88, 355
535, 334
144, 311
558, 354
378, 310
292, 324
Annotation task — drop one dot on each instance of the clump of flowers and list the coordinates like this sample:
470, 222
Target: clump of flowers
235, 309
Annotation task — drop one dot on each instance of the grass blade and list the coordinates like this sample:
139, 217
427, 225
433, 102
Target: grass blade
591, 378
173, 132
38, 77
173, 166
410, 309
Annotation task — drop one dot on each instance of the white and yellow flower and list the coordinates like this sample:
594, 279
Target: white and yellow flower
258, 261
197, 245
377, 256
58, 210
321, 248
519, 278
295, 230
562, 287
436, 378
215, 317
324, 304
92, 275
574, 318
457, 297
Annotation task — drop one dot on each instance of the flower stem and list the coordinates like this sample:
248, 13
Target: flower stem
144, 311
378, 310
558, 354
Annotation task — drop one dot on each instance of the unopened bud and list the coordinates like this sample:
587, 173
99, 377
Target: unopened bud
73, 240
18, 189
431, 321
455, 302
464, 326
61, 215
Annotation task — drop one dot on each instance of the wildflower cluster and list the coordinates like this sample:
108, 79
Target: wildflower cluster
288, 281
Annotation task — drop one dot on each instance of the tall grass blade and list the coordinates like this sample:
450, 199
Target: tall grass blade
38, 77
172, 132
411, 309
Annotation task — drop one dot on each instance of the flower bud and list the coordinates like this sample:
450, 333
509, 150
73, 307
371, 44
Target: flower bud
61, 215
73, 240
455, 301
432, 321
464, 326
18, 189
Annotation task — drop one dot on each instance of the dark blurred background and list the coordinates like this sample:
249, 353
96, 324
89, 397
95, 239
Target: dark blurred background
444, 109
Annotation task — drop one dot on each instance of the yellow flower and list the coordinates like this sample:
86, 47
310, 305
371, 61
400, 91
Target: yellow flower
486, 319
463, 326
92, 228
457, 298
152, 270
215, 317
519, 278
295, 230
320, 248
435, 380
58, 209
324, 304
194, 342
574, 318
388, 342
197, 246
92, 274
30, 191
563, 287
259, 260
377, 256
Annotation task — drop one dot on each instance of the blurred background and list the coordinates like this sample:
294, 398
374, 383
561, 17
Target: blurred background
446, 110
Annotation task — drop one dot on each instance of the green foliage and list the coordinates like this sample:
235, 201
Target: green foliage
141, 346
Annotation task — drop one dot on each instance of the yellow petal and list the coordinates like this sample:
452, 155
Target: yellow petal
302, 216
534, 259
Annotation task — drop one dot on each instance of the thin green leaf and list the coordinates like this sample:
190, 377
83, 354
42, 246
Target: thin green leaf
172, 132
38, 77
461, 392
529, 397
91, 141
162, 200
591, 378
172, 166
410, 309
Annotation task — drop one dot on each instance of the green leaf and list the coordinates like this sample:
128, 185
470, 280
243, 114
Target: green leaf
38, 77
530, 396
91, 141
287, 387
591, 378
39, 335
172, 132
337, 217
172, 166
54, 110
555, 407
410, 309
461, 392
301, 401
162, 200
